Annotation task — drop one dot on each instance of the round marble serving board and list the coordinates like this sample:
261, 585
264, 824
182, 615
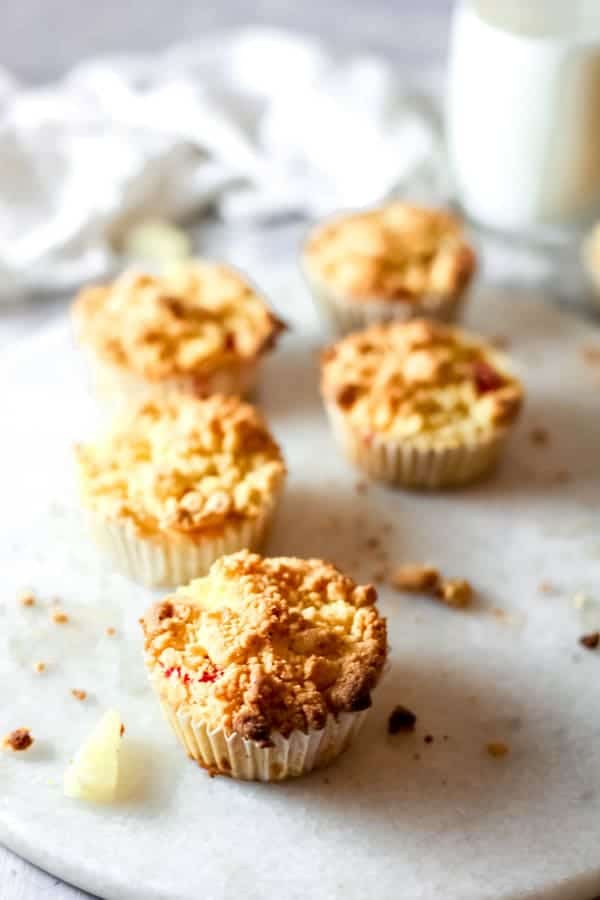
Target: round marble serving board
397, 816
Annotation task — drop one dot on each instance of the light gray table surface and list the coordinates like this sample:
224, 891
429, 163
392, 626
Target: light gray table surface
41, 38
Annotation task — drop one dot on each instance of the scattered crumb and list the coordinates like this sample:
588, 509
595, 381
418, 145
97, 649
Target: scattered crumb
26, 598
415, 577
497, 749
580, 600
591, 640
539, 436
18, 740
591, 354
39, 666
401, 719
111, 631
122, 730
500, 342
79, 695
361, 487
456, 592
373, 543
59, 617
445, 737
546, 587
428, 739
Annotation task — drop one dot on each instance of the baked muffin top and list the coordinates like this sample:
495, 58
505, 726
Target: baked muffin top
397, 252
420, 381
266, 644
196, 318
183, 465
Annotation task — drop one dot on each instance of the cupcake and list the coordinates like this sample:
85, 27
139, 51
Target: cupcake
265, 667
200, 328
419, 403
395, 262
179, 482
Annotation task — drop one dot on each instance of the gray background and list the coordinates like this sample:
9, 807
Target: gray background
40, 39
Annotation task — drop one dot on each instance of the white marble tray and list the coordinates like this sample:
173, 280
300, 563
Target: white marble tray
452, 823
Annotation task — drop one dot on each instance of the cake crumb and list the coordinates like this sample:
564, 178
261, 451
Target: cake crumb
456, 592
78, 694
373, 543
539, 436
401, 719
428, 739
39, 666
416, 578
497, 749
26, 598
110, 631
59, 617
18, 740
590, 641
122, 730
546, 587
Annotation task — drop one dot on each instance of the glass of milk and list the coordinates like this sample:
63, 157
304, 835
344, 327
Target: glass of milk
523, 114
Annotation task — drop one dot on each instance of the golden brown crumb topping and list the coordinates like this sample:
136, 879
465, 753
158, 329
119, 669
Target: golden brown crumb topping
420, 381
266, 644
18, 740
196, 318
183, 464
396, 252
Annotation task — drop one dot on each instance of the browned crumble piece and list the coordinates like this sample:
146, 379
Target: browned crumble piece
415, 577
546, 587
401, 719
497, 749
539, 436
39, 666
59, 617
373, 543
26, 598
122, 730
110, 631
18, 740
456, 592
428, 739
590, 641
79, 695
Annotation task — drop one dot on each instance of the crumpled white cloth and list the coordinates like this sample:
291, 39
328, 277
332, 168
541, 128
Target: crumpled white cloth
258, 122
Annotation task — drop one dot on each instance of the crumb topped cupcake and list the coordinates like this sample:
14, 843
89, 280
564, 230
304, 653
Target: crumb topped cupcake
265, 667
394, 262
179, 482
419, 403
199, 328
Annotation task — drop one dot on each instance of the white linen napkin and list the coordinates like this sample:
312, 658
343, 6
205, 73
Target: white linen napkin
258, 122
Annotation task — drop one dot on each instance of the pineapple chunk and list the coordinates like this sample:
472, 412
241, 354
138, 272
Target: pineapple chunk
93, 774
156, 241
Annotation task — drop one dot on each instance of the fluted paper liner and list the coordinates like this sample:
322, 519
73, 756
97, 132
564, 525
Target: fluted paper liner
289, 757
406, 464
344, 314
116, 388
169, 560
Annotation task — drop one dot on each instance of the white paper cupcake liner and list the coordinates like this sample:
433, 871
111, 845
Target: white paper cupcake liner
412, 466
289, 757
163, 560
116, 388
343, 315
